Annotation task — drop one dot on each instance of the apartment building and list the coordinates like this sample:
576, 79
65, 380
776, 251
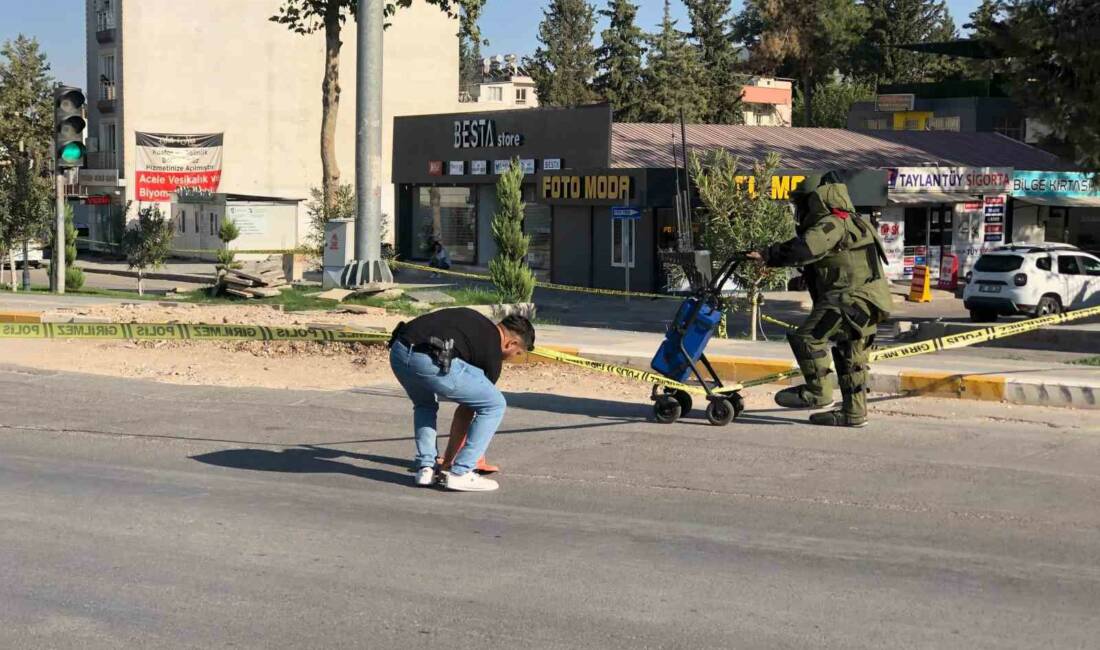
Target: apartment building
504, 84
221, 66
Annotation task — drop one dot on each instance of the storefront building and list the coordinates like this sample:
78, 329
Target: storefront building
1056, 207
446, 168
579, 165
935, 211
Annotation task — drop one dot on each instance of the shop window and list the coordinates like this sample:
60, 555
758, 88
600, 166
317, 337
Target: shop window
623, 238
929, 226
537, 224
1057, 226
916, 226
447, 215
949, 123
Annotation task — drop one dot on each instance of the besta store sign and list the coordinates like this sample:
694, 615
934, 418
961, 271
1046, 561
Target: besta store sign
473, 134
602, 187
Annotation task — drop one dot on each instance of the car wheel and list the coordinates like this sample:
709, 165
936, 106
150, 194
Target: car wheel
983, 316
1048, 305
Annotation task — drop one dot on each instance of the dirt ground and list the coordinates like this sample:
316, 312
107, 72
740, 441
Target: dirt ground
299, 365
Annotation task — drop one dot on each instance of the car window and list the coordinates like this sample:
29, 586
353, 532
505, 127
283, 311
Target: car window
1091, 265
1067, 264
1043, 264
998, 263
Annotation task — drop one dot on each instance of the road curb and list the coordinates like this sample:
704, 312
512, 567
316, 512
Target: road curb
1036, 391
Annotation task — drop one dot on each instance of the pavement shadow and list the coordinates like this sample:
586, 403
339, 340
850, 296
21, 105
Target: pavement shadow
298, 460
562, 404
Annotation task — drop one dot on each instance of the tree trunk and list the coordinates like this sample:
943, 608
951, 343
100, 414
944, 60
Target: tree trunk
4, 254
754, 312
330, 107
26, 266
808, 98
141, 282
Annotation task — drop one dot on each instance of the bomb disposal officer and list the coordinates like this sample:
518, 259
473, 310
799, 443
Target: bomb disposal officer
841, 257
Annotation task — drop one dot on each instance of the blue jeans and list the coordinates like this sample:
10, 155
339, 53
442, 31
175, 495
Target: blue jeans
465, 384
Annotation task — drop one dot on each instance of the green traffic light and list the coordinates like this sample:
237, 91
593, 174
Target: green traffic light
72, 152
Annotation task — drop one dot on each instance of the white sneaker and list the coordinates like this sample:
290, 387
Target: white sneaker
469, 482
425, 476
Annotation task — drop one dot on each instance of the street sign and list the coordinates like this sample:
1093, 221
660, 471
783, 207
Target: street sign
625, 212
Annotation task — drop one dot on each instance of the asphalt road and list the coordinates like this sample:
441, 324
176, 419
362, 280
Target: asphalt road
141, 515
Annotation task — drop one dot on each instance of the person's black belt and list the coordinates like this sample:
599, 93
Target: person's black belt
441, 351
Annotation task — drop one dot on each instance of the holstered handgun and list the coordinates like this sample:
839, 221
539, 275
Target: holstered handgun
442, 353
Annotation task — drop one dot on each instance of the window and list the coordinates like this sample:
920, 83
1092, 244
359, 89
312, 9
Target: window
1043, 264
213, 224
876, 124
1012, 127
496, 94
623, 233
521, 95
182, 217
105, 16
998, 263
449, 215
1090, 265
107, 77
952, 123
1067, 264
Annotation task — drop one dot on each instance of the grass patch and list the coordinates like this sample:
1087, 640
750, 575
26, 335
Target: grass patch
473, 296
1087, 361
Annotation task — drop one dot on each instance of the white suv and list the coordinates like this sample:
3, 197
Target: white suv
1033, 279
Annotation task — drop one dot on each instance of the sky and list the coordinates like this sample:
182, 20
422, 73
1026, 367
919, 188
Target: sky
511, 26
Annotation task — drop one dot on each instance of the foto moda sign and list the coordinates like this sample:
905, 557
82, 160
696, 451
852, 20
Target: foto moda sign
474, 134
968, 180
167, 162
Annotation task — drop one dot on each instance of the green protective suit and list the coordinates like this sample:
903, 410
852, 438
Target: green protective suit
841, 257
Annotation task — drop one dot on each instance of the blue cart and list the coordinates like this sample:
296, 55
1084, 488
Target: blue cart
682, 351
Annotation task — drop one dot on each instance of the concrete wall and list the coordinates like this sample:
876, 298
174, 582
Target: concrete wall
221, 65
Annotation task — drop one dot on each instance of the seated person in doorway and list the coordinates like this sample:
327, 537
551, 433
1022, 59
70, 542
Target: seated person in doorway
440, 258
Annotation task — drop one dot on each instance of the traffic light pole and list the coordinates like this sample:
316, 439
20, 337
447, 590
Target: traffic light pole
368, 267
58, 260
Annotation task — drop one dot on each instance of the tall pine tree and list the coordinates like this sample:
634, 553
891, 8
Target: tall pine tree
469, 64
671, 78
801, 38
564, 63
897, 22
710, 31
619, 61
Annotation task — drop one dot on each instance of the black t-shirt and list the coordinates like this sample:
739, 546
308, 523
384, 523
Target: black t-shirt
477, 339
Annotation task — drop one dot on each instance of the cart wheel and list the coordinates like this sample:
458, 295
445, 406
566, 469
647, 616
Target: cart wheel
738, 404
684, 398
720, 411
666, 409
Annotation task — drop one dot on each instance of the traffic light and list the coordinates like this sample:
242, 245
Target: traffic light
69, 126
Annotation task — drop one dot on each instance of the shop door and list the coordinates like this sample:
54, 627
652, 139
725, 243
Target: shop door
537, 225
572, 251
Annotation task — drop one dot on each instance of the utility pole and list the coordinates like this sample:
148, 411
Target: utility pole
368, 267
58, 260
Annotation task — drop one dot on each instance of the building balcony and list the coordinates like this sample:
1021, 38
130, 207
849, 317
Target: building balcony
106, 100
105, 27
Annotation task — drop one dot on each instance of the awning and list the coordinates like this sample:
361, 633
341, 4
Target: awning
916, 198
1062, 201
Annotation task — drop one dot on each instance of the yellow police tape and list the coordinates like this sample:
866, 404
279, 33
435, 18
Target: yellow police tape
628, 373
185, 332
953, 341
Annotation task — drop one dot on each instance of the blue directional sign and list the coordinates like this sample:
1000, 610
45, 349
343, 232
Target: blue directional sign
625, 212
